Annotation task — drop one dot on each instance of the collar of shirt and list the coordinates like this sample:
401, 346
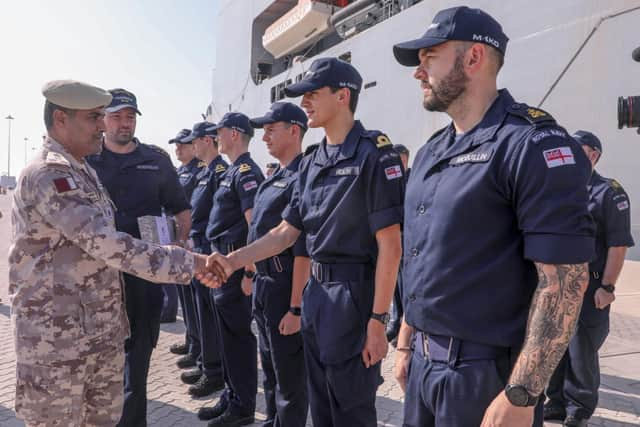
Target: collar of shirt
347, 148
52, 145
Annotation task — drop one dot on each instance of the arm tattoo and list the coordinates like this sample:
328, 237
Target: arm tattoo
555, 308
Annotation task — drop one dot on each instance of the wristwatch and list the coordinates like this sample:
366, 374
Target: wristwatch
296, 311
249, 274
382, 317
609, 288
519, 396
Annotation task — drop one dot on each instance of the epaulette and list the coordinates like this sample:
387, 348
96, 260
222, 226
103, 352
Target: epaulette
244, 167
54, 158
202, 165
158, 150
380, 139
220, 168
615, 186
535, 116
311, 149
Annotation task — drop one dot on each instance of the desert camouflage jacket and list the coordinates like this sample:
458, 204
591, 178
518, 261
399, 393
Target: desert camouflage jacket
65, 261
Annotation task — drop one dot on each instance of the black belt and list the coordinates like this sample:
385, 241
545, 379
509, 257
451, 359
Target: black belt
337, 272
439, 348
275, 264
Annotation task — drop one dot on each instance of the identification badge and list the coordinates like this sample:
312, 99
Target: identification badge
225, 183
346, 171
475, 157
280, 184
148, 167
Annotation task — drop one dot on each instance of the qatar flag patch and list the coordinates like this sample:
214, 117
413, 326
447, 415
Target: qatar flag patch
560, 156
65, 184
393, 172
250, 185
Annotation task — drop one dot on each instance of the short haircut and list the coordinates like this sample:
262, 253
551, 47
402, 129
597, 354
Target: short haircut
287, 125
353, 98
245, 138
495, 56
49, 108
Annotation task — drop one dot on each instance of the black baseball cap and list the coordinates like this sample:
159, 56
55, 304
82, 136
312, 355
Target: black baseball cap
199, 129
282, 112
178, 139
589, 139
122, 99
236, 121
331, 72
456, 23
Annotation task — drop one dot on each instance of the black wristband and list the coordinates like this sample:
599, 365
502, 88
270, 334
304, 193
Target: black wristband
249, 274
296, 311
609, 288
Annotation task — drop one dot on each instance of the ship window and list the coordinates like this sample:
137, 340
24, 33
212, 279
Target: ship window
346, 57
277, 91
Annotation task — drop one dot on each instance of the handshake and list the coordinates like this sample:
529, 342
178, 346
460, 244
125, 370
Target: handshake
213, 270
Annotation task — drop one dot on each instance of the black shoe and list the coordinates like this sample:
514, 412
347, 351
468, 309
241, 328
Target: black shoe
227, 419
572, 421
179, 349
191, 377
205, 386
211, 413
187, 361
554, 413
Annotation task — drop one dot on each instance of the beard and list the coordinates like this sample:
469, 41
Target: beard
444, 93
122, 138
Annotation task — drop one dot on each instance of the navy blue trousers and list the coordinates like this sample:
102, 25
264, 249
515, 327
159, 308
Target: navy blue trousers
238, 344
209, 359
575, 382
282, 356
190, 316
336, 310
454, 392
169, 302
144, 304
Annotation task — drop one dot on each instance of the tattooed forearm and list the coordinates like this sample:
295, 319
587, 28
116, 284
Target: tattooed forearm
554, 312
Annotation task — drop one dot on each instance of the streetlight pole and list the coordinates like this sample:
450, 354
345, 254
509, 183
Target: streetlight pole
9, 118
26, 143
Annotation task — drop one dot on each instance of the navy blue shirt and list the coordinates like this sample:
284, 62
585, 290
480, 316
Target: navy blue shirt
237, 188
202, 198
609, 206
340, 203
272, 198
480, 210
187, 176
140, 183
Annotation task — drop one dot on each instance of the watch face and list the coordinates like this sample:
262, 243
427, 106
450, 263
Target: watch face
517, 395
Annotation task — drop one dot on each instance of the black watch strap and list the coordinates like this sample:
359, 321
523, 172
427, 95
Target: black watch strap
249, 274
296, 311
519, 396
609, 288
381, 317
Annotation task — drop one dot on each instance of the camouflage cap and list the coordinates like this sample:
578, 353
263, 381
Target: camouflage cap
75, 95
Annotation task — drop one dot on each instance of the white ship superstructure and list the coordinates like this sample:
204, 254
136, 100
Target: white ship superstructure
571, 58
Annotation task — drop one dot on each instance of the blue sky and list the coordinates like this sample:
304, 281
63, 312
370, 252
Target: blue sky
161, 50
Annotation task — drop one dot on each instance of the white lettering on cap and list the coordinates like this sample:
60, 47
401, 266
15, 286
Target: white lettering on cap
486, 39
433, 26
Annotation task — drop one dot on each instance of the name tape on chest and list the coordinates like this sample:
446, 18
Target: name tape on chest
185, 175
624, 205
280, 184
203, 182
561, 156
471, 158
248, 186
225, 183
65, 184
148, 167
346, 171
393, 172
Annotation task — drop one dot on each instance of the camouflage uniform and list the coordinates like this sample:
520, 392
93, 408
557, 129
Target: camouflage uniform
66, 292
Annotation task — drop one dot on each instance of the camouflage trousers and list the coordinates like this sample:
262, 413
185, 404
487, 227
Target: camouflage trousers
78, 393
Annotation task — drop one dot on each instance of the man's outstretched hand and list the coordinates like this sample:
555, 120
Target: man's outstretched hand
218, 269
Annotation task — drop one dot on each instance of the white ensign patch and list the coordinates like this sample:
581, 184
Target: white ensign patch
623, 205
560, 156
393, 172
